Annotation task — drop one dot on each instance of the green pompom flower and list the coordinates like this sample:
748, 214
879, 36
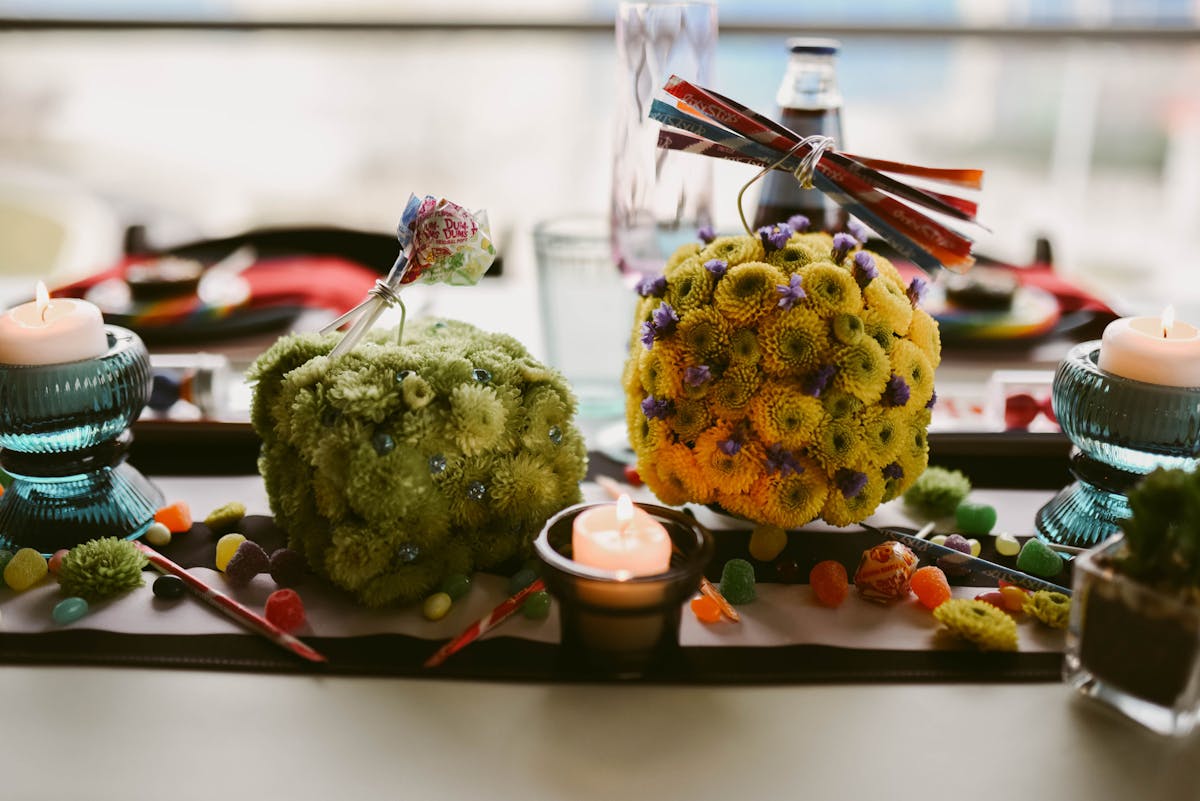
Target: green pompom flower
938, 491
102, 568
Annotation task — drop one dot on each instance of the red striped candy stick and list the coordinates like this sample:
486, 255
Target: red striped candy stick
498, 615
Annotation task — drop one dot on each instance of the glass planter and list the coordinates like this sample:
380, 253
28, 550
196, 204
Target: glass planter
1133, 647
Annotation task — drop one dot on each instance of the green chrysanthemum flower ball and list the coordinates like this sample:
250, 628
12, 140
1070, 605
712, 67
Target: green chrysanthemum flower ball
102, 568
782, 376
399, 464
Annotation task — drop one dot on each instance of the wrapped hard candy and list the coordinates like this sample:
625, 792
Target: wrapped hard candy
884, 572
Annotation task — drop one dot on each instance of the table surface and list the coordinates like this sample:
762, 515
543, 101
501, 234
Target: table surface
139, 733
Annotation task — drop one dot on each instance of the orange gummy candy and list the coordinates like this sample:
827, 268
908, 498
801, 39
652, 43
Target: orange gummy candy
829, 582
177, 517
705, 609
931, 586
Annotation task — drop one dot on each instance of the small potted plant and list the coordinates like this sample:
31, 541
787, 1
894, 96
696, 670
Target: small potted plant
1134, 636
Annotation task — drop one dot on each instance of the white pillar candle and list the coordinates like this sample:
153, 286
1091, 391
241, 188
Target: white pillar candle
622, 538
46, 331
1156, 350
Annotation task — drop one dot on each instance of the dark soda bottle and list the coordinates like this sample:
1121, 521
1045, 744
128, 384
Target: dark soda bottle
810, 102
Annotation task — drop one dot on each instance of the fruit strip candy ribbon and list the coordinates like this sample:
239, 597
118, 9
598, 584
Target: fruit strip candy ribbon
856, 183
440, 243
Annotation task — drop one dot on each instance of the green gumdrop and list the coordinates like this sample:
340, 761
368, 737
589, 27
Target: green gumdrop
975, 518
1037, 559
737, 581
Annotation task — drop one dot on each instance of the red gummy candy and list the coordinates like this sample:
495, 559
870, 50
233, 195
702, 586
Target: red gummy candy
931, 586
829, 582
285, 610
631, 476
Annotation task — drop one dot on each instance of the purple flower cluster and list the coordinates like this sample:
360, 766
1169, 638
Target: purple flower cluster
815, 383
695, 376
662, 323
653, 407
893, 471
932, 400
865, 270
897, 392
842, 244
706, 234
654, 287
775, 237
916, 291
717, 267
799, 223
858, 231
730, 447
782, 461
850, 482
791, 293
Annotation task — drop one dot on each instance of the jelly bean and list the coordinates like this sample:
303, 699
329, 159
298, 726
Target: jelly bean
632, 477
931, 587
767, 542
168, 587
157, 535
975, 518
787, 571
938, 539
1007, 544
436, 606
456, 585
829, 583
705, 609
26, 568
226, 547
287, 568
949, 564
537, 605
222, 519
285, 609
68, 610
1014, 597
1038, 559
521, 579
737, 581
994, 597
56, 561
247, 562
176, 516
975, 546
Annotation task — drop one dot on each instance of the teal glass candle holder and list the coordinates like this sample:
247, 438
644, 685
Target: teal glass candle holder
64, 436
1121, 430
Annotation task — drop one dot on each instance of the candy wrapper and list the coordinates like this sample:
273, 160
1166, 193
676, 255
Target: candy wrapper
884, 572
713, 125
440, 243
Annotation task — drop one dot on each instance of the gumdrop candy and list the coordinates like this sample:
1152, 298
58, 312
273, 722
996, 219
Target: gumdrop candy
705, 609
975, 518
737, 581
829, 583
767, 542
951, 565
176, 516
247, 562
222, 519
931, 587
226, 547
287, 568
285, 610
1037, 558
26, 568
884, 572
68, 610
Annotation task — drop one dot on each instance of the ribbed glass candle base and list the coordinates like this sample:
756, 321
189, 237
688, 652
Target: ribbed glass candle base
1081, 515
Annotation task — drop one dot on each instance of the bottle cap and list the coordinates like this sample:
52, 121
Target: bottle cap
804, 44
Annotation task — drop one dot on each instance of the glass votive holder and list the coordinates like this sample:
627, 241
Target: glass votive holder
616, 626
1122, 429
64, 438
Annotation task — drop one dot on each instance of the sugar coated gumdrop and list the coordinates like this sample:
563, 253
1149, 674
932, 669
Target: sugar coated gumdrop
737, 581
226, 547
68, 610
931, 587
287, 568
767, 542
705, 609
456, 585
285, 609
436, 606
157, 535
829, 583
1037, 558
975, 518
1007, 544
168, 587
224, 518
56, 561
951, 565
26, 568
176, 516
884, 572
247, 562
537, 605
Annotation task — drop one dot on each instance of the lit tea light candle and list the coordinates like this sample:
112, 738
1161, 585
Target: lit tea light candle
1156, 350
46, 331
622, 538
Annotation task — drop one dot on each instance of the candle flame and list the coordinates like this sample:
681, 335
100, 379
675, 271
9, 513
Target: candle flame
42, 300
1168, 320
624, 510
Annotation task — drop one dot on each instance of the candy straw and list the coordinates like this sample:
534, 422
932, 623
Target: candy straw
230, 607
501, 613
615, 489
972, 563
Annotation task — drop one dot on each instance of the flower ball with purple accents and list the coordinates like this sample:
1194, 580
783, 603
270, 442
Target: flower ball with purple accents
784, 375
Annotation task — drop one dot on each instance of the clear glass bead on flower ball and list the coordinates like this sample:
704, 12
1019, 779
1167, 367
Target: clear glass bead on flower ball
781, 378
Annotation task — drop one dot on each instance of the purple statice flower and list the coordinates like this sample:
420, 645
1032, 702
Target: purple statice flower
706, 234
729, 447
695, 376
647, 335
864, 268
665, 320
798, 222
897, 392
717, 267
916, 291
782, 461
653, 407
932, 400
654, 287
775, 237
790, 292
815, 383
893, 471
842, 244
858, 231
850, 482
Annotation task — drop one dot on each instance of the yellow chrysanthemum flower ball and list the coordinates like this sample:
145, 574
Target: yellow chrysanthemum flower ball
784, 376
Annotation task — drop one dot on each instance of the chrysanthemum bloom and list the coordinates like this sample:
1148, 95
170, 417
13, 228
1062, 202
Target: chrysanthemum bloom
742, 295
978, 622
